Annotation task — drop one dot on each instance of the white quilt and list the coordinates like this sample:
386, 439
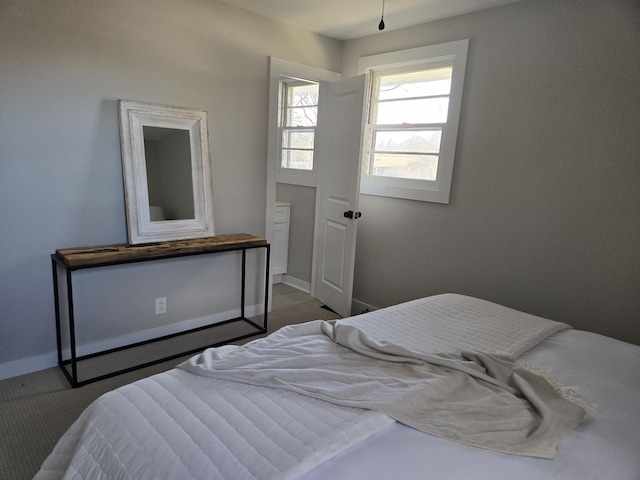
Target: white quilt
453, 323
177, 425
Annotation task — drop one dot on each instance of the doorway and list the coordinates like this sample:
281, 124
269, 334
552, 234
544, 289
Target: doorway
326, 281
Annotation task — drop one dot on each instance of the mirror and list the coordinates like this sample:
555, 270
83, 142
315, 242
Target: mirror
167, 156
166, 170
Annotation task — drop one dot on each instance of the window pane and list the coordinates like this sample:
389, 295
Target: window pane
414, 141
304, 95
300, 113
302, 105
430, 110
420, 167
298, 159
298, 139
422, 83
302, 117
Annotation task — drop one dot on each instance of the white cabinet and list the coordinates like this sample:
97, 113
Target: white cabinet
280, 250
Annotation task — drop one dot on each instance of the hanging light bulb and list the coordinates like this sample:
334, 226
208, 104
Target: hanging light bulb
381, 24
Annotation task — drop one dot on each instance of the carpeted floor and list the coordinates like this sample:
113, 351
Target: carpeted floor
36, 409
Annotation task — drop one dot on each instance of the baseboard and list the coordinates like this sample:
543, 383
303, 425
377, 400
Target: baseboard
358, 307
28, 365
48, 360
296, 283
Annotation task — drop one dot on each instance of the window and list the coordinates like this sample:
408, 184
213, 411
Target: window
294, 90
299, 121
409, 111
413, 120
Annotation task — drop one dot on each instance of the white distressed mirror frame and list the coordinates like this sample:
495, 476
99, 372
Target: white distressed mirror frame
133, 117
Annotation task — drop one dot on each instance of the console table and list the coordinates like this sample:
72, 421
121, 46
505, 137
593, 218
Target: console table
71, 259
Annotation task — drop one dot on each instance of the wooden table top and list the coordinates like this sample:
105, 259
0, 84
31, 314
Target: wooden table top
125, 253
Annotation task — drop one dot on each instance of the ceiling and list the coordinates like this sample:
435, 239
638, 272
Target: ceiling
348, 19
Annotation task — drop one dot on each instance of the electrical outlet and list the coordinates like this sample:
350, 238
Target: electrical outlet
161, 305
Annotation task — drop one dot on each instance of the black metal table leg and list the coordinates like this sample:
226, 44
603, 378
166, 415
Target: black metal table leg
242, 287
56, 299
72, 332
266, 286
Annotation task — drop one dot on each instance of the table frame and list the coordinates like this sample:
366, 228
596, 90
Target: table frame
70, 260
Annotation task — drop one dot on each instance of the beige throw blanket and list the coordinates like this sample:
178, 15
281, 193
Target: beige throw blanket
486, 400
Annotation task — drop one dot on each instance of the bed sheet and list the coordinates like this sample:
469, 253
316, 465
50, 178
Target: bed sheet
605, 373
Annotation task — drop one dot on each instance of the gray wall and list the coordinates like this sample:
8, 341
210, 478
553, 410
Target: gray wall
64, 66
301, 227
545, 206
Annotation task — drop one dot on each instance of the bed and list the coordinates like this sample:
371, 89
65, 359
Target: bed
547, 401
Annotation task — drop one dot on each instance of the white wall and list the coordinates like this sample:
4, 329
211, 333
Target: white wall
64, 65
545, 206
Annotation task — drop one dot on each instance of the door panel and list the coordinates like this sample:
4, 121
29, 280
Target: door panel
335, 249
340, 129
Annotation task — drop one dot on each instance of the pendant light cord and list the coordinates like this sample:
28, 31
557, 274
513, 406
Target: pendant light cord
381, 24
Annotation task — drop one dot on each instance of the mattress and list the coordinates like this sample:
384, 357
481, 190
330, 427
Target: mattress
180, 425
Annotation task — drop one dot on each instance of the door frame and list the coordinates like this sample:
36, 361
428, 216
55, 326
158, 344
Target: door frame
283, 68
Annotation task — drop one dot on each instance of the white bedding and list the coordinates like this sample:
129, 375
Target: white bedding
478, 398
179, 425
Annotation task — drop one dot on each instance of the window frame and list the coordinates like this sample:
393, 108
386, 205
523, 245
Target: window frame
452, 54
283, 70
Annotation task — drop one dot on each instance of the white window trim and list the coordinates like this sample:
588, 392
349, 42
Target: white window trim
279, 69
429, 191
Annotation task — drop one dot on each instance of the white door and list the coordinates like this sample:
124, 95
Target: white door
341, 128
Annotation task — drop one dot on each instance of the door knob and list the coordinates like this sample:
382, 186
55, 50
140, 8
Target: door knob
353, 215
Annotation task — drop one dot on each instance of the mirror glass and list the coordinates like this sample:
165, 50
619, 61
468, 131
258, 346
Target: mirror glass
166, 169
167, 153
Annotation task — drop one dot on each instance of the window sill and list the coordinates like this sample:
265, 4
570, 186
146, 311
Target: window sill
421, 194
305, 180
